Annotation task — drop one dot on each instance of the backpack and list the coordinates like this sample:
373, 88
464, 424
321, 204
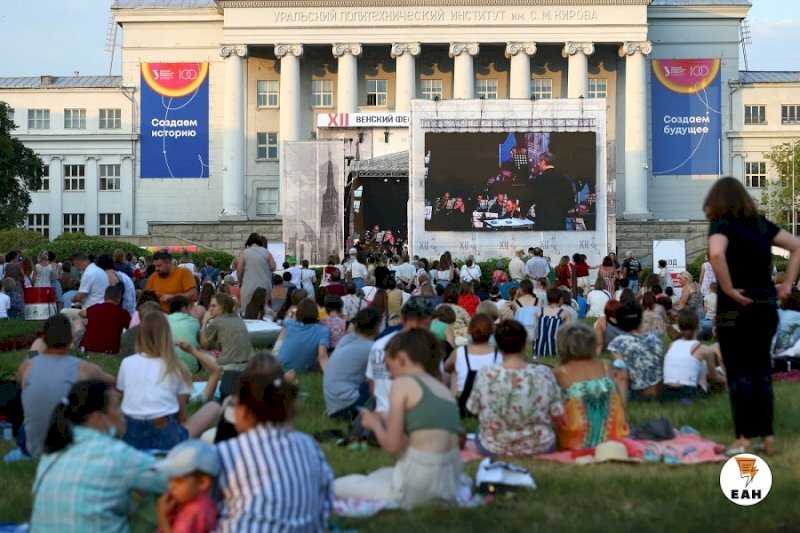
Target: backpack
634, 267
468, 384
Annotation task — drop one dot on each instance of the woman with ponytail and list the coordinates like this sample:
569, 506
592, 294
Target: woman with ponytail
84, 479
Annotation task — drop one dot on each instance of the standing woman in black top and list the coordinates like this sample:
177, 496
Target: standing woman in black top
739, 245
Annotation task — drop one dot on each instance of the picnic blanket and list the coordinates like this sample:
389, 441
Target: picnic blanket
791, 377
361, 507
683, 450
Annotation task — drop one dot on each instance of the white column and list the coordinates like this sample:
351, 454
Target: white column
290, 97
405, 55
91, 203
463, 69
520, 82
347, 79
636, 128
578, 75
233, 149
56, 196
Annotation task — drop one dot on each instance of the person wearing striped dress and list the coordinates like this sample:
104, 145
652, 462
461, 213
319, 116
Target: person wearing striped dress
548, 319
272, 478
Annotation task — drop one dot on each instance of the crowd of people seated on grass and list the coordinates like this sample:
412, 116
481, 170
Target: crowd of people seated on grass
406, 357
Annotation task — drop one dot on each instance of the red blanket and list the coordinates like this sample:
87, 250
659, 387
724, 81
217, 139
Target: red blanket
684, 449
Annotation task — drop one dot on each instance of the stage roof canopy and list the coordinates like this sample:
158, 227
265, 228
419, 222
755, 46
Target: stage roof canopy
385, 166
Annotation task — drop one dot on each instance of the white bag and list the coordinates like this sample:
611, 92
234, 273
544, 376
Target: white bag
498, 474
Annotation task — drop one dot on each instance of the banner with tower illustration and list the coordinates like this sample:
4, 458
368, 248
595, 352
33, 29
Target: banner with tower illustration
313, 200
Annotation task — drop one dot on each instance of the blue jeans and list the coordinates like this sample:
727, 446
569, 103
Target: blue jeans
633, 284
359, 283
706, 329
160, 434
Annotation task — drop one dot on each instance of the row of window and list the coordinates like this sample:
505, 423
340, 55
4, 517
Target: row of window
268, 91
75, 119
75, 177
108, 223
757, 114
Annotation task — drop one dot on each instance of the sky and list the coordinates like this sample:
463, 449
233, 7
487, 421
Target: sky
61, 37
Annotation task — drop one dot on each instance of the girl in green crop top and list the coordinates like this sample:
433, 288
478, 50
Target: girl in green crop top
422, 427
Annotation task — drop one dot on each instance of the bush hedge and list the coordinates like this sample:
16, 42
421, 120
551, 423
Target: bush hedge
20, 239
222, 260
68, 244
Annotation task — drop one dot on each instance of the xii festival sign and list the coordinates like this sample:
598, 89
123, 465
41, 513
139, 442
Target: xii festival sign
687, 118
174, 120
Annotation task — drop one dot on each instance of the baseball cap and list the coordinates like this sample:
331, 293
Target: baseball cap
353, 250
418, 306
188, 457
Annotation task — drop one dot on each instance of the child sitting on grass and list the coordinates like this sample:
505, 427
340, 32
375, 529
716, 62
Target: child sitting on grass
187, 506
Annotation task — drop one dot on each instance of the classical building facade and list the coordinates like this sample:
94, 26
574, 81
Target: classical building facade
275, 66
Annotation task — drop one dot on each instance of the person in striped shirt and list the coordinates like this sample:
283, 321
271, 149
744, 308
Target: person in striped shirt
272, 477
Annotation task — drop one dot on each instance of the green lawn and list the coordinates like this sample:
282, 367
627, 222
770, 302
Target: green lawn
574, 498
19, 328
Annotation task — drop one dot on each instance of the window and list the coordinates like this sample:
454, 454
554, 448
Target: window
755, 173
755, 114
542, 88
74, 177
11, 116
109, 224
110, 119
109, 177
322, 93
267, 93
790, 114
75, 119
376, 92
598, 87
267, 145
45, 179
431, 89
267, 201
39, 222
486, 89
74, 222
38, 119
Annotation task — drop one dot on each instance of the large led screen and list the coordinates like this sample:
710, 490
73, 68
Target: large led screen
535, 181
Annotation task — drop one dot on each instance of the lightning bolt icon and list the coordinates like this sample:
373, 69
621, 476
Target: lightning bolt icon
747, 469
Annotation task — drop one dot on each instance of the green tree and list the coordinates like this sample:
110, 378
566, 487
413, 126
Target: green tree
776, 198
20, 173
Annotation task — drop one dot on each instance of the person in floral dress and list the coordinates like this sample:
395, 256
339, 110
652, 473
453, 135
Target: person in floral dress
516, 403
640, 356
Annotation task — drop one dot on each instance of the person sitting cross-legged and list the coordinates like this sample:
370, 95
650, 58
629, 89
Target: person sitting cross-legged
639, 356
344, 384
516, 402
47, 378
691, 368
593, 409
422, 427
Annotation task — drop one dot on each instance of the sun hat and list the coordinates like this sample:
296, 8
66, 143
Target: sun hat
188, 457
610, 450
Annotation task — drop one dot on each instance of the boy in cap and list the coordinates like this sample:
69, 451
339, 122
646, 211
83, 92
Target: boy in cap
187, 507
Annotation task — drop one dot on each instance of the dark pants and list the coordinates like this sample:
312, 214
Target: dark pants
349, 413
745, 335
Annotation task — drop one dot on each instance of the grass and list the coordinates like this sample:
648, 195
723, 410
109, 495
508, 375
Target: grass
574, 498
19, 328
